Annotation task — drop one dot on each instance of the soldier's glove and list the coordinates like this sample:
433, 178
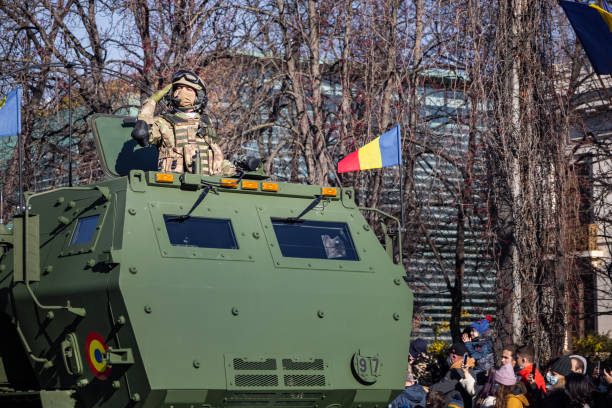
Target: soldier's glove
141, 133
157, 96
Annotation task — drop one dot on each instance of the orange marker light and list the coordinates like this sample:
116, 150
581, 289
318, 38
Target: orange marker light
229, 183
269, 186
329, 192
164, 178
249, 185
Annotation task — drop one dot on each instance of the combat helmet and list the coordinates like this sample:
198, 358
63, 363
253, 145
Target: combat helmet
192, 80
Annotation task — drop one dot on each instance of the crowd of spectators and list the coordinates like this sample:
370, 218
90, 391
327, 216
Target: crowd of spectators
470, 376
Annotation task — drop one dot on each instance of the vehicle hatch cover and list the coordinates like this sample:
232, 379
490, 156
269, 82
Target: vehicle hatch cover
117, 151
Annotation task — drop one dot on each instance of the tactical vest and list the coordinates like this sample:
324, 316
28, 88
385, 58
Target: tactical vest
196, 149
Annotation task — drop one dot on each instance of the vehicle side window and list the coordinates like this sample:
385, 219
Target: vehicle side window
315, 239
84, 231
200, 232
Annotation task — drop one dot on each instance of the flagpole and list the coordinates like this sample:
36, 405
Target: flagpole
20, 159
401, 196
69, 124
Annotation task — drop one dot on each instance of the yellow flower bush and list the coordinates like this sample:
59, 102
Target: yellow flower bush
593, 344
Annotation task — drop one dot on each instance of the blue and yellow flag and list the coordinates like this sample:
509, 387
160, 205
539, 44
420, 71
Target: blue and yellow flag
593, 26
10, 113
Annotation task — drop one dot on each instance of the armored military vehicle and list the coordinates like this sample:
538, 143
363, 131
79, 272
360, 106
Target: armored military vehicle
166, 290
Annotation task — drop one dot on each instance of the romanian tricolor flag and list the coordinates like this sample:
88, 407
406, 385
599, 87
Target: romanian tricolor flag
593, 26
384, 151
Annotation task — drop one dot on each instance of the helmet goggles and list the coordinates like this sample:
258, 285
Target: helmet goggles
188, 76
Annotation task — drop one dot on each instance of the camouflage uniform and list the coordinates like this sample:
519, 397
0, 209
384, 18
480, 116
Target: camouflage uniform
179, 137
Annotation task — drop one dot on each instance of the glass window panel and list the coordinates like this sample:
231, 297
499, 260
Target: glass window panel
201, 232
85, 229
315, 239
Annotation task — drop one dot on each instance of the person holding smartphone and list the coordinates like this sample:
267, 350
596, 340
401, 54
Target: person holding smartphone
459, 379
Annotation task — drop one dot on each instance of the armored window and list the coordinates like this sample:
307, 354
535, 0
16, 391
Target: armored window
84, 230
200, 232
315, 239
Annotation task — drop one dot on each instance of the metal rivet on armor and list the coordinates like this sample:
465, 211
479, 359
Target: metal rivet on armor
71, 204
50, 315
116, 384
371, 268
152, 204
196, 364
321, 314
2, 268
397, 281
132, 211
277, 262
180, 207
235, 311
164, 253
250, 256
60, 200
63, 220
366, 227
135, 397
133, 270
121, 320
148, 308
235, 211
395, 316
91, 263
256, 235
340, 266
310, 265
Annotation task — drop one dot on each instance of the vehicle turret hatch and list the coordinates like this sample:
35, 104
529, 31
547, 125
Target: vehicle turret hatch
117, 151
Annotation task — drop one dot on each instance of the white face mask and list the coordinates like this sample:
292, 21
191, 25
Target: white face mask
552, 379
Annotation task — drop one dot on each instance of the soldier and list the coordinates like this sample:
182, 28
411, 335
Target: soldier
184, 136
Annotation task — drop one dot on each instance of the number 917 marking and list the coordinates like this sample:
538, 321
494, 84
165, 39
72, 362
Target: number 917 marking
366, 368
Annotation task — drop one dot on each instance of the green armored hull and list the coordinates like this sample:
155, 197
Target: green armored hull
167, 290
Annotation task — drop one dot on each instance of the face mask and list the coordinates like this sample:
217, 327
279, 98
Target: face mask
185, 97
551, 379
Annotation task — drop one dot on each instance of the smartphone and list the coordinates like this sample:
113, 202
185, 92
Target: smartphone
465, 357
533, 370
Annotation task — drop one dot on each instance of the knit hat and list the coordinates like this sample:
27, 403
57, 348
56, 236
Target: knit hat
505, 375
481, 326
417, 347
459, 349
562, 366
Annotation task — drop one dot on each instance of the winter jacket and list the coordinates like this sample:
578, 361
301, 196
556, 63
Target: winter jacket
539, 380
516, 401
450, 385
413, 396
481, 350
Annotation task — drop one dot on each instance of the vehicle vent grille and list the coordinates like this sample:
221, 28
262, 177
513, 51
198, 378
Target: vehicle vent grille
268, 364
256, 380
292, 365
302, 380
